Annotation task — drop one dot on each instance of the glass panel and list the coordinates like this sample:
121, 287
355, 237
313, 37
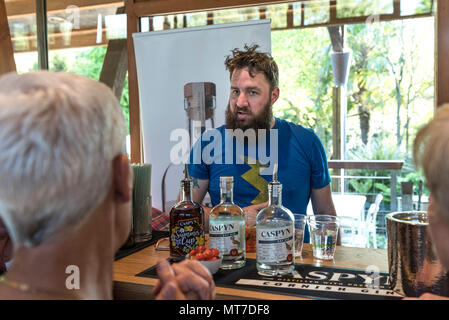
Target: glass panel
196, 19
115, 26
410, 7
316, 12
23, 37
362, 8
179, 20
278, 15
145, 24
235, 15
158, 23
297, 14
390, 94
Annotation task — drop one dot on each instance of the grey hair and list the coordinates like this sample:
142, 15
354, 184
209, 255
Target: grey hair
431, 152
58, 135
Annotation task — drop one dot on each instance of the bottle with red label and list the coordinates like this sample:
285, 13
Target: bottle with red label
227, 227
186, 222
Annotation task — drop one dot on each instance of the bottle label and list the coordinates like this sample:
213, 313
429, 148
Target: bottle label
225, 236
275, 245
186, 235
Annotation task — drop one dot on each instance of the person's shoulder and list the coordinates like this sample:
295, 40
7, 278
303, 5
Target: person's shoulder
296, 128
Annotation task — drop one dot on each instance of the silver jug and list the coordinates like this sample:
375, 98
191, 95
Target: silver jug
413, 265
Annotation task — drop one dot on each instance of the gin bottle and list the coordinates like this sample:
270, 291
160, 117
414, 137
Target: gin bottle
227, 227
186, 222
275, 234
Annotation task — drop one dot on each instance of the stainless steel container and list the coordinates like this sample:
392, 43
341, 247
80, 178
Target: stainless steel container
413, 265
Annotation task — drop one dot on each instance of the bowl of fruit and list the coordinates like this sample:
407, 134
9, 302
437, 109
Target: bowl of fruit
210, 258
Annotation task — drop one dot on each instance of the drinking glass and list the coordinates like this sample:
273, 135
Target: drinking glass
300, 223
323, 235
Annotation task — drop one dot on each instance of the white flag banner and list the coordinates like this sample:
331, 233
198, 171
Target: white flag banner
183, 90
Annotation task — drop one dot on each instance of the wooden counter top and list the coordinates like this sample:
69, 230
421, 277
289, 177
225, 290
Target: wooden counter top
128, 286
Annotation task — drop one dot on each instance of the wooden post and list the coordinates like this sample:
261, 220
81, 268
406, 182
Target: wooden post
115, 65
393, 200
7, 63
442, 53
134, 113
407, 196
339, 105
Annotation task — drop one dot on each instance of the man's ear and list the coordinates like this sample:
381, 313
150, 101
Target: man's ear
122, 178
274, 95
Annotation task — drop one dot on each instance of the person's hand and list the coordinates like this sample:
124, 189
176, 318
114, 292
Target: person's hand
185, 280
428, 296
252, 211
5, 246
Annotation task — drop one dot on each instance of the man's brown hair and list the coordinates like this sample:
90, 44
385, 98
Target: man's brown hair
255, 61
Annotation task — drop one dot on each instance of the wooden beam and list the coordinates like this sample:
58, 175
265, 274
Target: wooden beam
115, 64
7, 63
17, 8
134, 112
442, 53
366, 164
150, 8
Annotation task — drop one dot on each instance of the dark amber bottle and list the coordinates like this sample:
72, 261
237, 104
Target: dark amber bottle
186, 222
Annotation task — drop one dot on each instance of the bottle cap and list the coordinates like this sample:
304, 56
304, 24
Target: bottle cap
187, 182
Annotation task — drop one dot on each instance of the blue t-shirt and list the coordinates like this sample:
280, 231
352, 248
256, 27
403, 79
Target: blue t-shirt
301, 159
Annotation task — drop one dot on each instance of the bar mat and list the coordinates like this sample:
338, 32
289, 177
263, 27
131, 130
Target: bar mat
155, 236
307, 281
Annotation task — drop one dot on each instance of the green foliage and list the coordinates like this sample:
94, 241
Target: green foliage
362, 187
305, 80
90, 62
57, 62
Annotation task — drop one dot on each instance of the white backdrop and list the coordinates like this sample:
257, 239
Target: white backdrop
166, 61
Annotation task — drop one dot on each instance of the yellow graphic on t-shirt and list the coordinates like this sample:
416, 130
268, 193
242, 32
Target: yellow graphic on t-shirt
253, 178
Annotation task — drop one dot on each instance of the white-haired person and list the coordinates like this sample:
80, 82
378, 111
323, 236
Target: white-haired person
65, 191
431, 152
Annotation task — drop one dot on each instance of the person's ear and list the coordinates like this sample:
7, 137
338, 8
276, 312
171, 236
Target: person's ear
122, 179
274, 95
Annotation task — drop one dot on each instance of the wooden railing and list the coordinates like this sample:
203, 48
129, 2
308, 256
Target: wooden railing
391, 165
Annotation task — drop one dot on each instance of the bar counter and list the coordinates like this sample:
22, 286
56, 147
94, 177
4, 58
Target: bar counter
128, 286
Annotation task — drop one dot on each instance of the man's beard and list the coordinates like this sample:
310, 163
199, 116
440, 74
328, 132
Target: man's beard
261, 121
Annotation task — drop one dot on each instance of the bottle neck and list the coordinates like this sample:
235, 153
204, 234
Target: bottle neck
275, 194
227, 194
186, 190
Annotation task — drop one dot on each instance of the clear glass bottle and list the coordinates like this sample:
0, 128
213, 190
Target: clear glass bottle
275, 235
186, 222
227, 227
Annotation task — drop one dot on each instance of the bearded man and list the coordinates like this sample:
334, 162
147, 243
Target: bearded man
298, 152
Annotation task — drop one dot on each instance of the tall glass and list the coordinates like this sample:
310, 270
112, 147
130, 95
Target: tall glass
300, 223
